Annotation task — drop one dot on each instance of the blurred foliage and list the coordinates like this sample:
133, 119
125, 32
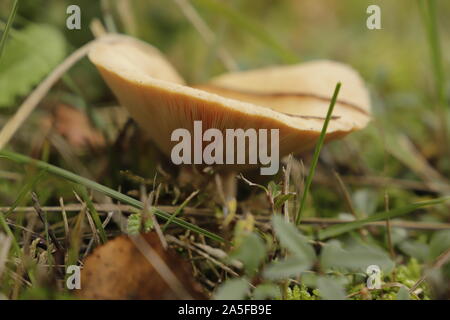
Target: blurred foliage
395, 62
25, 61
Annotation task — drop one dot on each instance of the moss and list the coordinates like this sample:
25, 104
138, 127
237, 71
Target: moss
300, 292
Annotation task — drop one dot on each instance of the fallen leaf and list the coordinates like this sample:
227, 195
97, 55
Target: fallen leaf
74, 125
118, 270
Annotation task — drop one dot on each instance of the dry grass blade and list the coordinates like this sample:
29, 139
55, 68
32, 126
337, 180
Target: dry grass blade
438, 263
347, 196
207, 255
5, 245
207, 213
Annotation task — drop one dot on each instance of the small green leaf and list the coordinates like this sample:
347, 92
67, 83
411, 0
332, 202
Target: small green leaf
365, 201
356, 258
134, 224
330, 289
250, 252
419, 250
403, 294
309, 279
439, 243
233, 289
266, 291
29, 55
288, 268
291, 239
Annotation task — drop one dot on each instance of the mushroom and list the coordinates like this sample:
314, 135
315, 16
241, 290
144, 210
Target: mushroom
293, 99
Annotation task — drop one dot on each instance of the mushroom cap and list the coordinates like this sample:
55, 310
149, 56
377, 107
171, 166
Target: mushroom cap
292, 98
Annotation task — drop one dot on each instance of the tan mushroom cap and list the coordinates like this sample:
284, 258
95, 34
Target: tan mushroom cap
293, 98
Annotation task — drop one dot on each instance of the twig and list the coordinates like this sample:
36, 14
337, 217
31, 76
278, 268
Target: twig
203, 254
262, 217
347, 197
219, 254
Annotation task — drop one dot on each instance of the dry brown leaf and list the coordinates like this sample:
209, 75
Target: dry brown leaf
118, 270
74, 125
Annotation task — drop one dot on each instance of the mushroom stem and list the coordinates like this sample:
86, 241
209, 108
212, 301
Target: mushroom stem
229, 185
223, 186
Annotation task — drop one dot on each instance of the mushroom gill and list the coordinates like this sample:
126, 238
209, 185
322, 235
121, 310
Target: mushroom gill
292, 98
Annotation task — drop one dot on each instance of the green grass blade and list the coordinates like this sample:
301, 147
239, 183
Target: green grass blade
24, 191
251, 26
342, 228
317, 153
95, 216
105, 190
179, 209
9, 23
429, 10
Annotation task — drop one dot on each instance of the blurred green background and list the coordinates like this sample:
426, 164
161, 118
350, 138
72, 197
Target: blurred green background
407, 140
